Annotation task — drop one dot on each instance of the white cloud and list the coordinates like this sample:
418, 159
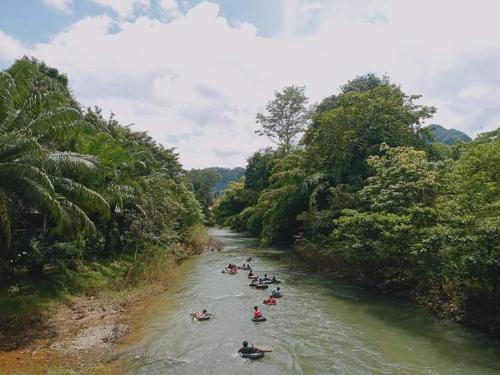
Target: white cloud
477, 92
196, 82
311, 6
10, 48
62, 5
124, 8
170, 8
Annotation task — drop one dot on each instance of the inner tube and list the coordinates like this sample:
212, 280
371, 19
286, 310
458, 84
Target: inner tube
257, 320
277, 295
262, 286
267, 303
206, 317
253, 277
275, 282
255, 355
252, 285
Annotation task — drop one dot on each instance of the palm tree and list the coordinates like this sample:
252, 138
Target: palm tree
34, 112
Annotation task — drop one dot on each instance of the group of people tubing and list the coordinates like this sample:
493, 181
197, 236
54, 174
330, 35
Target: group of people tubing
250, 351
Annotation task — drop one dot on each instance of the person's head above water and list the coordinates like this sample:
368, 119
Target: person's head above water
256, 308
278, 288
204, 311
245, 344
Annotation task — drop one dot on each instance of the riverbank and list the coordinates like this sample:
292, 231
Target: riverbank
445, 303
48, 328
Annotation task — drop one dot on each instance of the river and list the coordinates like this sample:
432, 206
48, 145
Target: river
321, 326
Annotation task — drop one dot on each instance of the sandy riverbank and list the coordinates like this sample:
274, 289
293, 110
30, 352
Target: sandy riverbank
83, 335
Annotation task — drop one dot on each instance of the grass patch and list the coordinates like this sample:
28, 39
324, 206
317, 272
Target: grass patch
26, 304
199, 240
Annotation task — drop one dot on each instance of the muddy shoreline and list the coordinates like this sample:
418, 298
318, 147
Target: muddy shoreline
83, 335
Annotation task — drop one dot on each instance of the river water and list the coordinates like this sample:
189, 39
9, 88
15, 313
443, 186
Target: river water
320, 326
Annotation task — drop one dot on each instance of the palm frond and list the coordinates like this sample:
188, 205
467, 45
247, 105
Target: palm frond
89, 200
75, 221
37, 102
14, 148
57, 123
38, 197
63, 162
121, 195
12, 172
7, 87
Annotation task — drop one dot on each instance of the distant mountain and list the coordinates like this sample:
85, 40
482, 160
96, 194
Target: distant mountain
226, 175
448, 136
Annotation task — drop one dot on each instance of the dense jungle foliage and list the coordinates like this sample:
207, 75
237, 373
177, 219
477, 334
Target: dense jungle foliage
75, 186
367, 194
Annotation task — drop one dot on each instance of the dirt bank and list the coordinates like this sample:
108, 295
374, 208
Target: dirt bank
76, 335
80, 333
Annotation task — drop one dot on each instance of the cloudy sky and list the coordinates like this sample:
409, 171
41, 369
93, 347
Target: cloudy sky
194, 73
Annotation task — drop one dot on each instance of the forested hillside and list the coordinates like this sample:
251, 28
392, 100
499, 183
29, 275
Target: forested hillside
226, 175
447, 136
359, 188
208, 183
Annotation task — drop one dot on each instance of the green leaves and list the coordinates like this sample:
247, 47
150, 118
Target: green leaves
402, 177
33, 115
287, 116
366, 114
75, 185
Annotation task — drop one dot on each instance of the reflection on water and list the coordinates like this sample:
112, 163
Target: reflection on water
320, 327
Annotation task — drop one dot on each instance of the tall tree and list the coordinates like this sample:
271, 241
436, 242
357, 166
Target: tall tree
34, 112
287, 116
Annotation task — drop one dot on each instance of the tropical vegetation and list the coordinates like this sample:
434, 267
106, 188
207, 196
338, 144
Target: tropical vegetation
76, 187
367, 193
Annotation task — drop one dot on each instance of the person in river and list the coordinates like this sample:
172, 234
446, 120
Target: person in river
266, 278
277, 293
201, 315
245, 349
257, 314
270, 301
274, 279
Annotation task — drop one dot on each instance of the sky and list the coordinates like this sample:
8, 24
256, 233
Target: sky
195, 73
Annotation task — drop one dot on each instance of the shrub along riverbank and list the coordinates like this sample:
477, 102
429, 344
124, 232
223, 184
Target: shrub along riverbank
367, 194
86, 205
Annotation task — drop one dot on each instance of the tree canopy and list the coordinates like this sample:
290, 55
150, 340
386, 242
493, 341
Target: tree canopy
369, 194
287, 116
75, 185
